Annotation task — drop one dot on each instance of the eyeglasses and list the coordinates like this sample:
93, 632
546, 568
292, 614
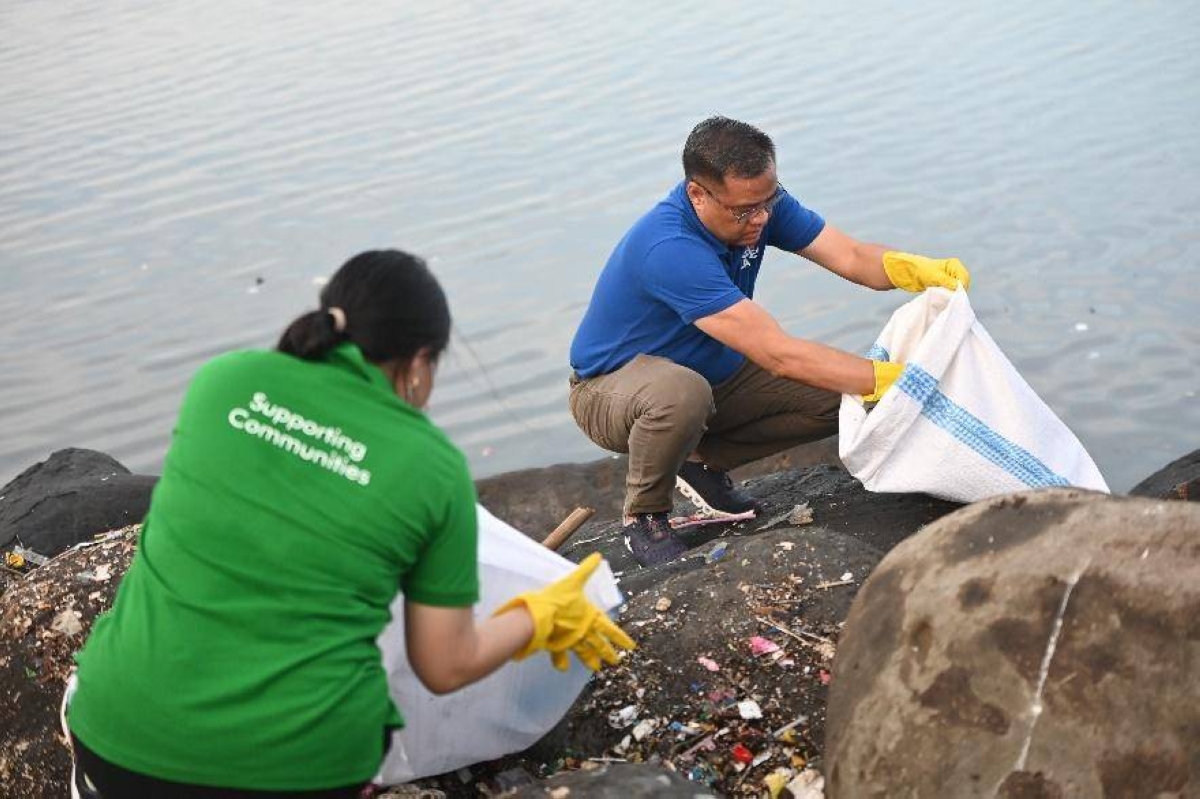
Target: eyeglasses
743, 215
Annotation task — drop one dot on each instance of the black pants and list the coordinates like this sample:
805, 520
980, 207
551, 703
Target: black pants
96, 778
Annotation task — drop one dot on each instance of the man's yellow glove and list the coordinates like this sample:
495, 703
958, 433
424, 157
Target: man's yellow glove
565, 621
886, 373
916, 273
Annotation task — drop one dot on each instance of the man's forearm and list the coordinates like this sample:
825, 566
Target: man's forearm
868, 265
817, 365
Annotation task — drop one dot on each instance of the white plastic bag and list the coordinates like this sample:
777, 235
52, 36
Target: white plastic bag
960, 423
510, 709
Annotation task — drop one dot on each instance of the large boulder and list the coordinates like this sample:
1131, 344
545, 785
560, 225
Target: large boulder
1040, 644
1179, 479
70, 497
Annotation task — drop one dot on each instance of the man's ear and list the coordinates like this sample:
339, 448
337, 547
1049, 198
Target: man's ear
694, 192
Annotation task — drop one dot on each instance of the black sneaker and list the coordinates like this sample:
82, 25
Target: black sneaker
651, 540
711, 491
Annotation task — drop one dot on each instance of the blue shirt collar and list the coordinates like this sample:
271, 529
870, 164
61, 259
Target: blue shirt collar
679, 198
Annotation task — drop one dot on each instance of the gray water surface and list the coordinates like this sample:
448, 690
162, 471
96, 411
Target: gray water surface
175, 178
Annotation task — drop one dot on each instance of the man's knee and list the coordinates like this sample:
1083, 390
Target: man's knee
679, 394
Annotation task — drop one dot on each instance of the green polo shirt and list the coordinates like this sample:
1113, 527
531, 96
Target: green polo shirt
296, 499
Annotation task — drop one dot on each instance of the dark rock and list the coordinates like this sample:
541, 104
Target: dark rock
615, 781
536, 500
70, 497
1179, 479
1048, 639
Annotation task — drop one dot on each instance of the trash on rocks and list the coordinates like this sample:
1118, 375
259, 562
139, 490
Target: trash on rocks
644, 728
776, 780
67, 622
801, 515
749, 709
561, 792
708, 663
513, 778
663, 604
808, 784
619, 719
741, 754
762, 646
717, 552
30, 555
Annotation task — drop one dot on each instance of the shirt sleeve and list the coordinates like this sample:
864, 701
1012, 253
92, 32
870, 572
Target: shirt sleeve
446, 573
689, 278
793, 227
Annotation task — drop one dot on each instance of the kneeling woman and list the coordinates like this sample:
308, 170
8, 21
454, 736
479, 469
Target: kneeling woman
303, 488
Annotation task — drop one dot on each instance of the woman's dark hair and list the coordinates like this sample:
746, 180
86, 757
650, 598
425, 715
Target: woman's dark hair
720, 146
393, 307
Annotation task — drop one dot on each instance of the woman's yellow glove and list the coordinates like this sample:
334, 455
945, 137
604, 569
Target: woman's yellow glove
916, 273
565, 621
886, 373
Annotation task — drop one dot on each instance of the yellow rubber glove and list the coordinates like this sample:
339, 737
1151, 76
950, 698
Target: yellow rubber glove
916, 273
565, 621
886, 373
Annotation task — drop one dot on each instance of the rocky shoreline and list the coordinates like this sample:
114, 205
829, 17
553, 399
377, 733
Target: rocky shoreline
741, 641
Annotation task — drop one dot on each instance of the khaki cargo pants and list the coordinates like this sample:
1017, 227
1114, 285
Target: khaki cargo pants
660, 412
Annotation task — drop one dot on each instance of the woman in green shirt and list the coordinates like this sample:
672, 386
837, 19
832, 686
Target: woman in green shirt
303, 487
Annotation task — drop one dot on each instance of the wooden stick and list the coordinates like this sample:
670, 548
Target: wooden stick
569, 525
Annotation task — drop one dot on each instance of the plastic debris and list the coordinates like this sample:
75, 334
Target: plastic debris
644, 728
30, 555
825, 677
561, 792
619, 719
749, 709
776, 780
742, 755
716, 553
762, 646
801, 515
67, 622
14, 561
708, 663
847, 576
808, 784
663, 604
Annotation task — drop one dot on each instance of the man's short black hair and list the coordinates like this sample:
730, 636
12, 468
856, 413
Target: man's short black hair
720, 146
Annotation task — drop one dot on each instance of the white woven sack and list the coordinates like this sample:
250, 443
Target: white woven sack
510, 709
960, 422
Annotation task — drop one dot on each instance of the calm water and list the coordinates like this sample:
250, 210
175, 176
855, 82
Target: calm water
175, 177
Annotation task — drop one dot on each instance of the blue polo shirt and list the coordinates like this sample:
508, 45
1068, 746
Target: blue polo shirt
667, 272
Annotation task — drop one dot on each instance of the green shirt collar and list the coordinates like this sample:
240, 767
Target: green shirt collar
349, 357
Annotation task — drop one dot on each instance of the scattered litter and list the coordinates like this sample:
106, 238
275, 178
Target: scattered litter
708, 663
67, 622
622, 718
663, 604
835, 583
561, 792
825, 677
776, 780
801, 515
30, 555
716, 553
749, 710
809, 784
786, 546
741, 754
698, 520
14, 561
762, 646
644, 728
847, 576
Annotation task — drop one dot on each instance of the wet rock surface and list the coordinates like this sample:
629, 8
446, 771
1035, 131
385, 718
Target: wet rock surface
68, 498
1050, 640
1179, 479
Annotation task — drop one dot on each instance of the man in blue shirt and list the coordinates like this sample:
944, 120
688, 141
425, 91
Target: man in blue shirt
675, 363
